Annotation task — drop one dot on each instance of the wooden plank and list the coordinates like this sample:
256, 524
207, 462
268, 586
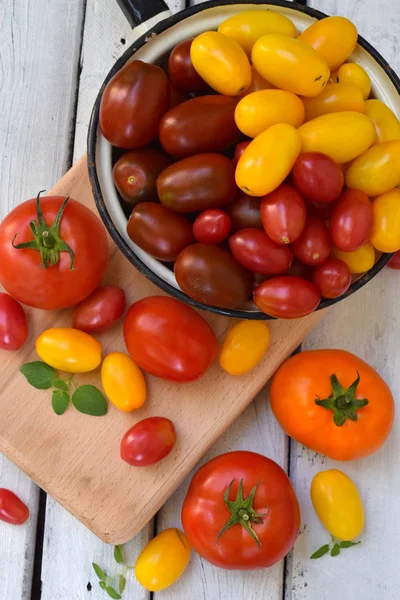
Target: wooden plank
366, 324
36, 101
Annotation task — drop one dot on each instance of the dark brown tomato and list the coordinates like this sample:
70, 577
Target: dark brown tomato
133, 103
299, 269
135, 174
283, 214
244, 212
314, 244
239, 149
197, 183
181, 70
176, 96
211, 276
286, 297
158, 231
253, 249
203, 124
351, 220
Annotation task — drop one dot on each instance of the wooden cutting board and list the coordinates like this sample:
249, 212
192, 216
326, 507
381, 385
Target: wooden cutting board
75, 457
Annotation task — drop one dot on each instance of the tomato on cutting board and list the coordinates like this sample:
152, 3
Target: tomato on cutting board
13, 324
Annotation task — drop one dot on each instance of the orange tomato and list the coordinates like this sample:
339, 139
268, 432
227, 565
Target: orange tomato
332, 402
335, 97
354, 74
334, 38
257, 83
387, 125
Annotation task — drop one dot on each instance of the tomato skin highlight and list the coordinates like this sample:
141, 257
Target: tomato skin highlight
13, 323
12, 509
148, 441
351, 220
283, 214
286, 297
332, 278
317, 177
254, 250
313, 245
123, 381
101, 310
212, 226
244, 346
69, 350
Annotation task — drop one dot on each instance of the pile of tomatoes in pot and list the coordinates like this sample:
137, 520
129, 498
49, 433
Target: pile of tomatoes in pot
256, 164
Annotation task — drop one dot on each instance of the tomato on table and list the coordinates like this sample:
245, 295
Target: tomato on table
313, 245
12, 509
332, 402
212, 226
287, 297
332, 278
123, 381
101, 310
244, 346
283, 214
241, 512
148, 441
13, 324
350, 223
317, 177
69, 350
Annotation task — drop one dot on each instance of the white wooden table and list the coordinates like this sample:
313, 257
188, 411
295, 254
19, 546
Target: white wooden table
53, 58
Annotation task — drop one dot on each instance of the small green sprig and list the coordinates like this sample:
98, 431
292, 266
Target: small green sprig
334, 547
114, 585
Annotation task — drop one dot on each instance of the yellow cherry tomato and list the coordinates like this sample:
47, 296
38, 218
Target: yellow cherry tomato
257, 83
290, 64
387, 125
333, 38
359, 261
268, 160
355, 75
248, 26
69, 350
123, 381
335, 97
386, 224
338, 504
163, 560
377, 170
221, 62
343, 135
260, 110
244, 346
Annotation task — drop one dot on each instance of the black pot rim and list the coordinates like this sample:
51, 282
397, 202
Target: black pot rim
102, 208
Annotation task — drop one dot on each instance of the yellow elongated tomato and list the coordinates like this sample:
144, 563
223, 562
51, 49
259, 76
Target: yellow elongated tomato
338, 504
260, 110
358, 261
335, 97
123, 381
221, 62
387, 125
69, 350
377, 170
268, 160
257, 83
244, 346
248, 26
333, 38
385, 235
343, 135
354, 74
290, 64
163, 560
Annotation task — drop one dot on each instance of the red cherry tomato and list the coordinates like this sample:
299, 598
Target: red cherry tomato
253, 249
239, 149
332, 278
287, 297
314, 244
13, 324
394, 262
12, 509
317, 177
148, 441
212, 226
283, 214
351, 220
101, 310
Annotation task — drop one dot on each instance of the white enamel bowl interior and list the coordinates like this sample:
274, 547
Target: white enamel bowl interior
157, 47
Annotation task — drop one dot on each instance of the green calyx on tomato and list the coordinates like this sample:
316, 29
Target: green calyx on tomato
242, 511
47, 239
342, 402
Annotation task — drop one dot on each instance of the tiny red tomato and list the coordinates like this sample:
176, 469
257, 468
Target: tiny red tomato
239, 149
13, 324
351, 220
212, 226
314, 244
317, 177
253, 249
332, 278
12, 509
287, 297
104, 307
394, 262
148, 441
244, 212
283, 214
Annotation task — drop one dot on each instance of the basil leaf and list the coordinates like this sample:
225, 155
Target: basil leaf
113, 593
321, 551
89, 400
38, 374
60, 385
118, 556
103, 585
122, 584
335, 550
348, 544
99, 571
60, 401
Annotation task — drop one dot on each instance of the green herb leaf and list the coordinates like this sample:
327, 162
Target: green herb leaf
118, 556
122, 584
60, 401
38, 374
90, 401
335, 550
348, 544
113, 593
60, 385
321, 551
99, 571
103, 585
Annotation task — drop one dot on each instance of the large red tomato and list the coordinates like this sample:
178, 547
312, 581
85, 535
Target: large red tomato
241, 511
53, 252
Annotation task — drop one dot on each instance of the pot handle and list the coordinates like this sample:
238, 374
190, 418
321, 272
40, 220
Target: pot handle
144, 12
